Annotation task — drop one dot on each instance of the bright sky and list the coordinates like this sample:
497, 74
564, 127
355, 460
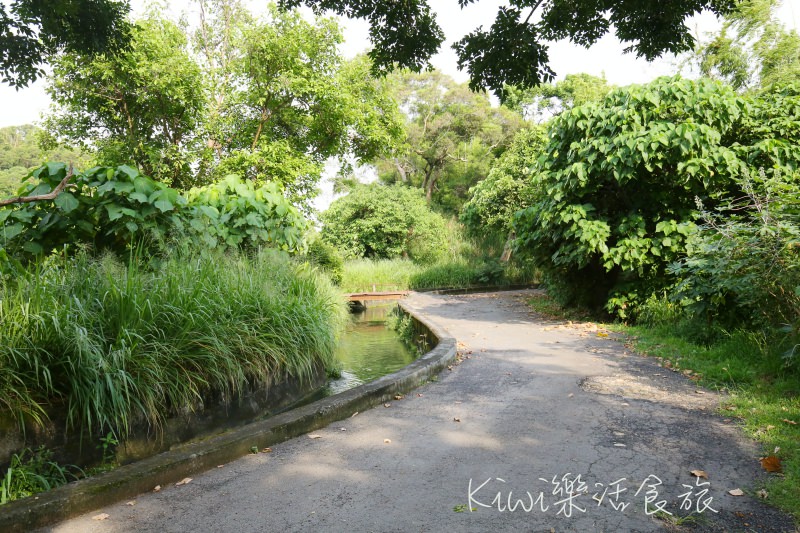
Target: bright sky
606, 57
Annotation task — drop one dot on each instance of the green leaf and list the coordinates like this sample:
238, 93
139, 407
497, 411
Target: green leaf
164, 205
66, 202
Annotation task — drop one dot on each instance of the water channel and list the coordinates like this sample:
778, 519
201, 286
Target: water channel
368, 349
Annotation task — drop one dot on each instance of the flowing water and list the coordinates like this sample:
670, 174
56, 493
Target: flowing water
368, 349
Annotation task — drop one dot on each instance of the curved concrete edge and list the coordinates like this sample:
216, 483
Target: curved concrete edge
128, 481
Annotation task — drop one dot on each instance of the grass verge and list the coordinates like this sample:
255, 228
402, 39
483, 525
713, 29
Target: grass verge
764, 393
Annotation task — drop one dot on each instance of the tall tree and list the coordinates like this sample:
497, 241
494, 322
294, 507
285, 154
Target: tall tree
545, 101
141, 106
33, 30
752, 49
514, 50
284, 100
453, 135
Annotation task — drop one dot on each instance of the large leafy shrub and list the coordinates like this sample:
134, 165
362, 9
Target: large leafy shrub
379, 221
615, 187
115, 208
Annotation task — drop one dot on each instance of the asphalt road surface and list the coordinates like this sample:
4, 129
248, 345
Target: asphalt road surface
542, 426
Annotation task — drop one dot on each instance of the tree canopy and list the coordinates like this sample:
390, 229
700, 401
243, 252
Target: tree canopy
33, 30
513, 50
752, 49
452, 137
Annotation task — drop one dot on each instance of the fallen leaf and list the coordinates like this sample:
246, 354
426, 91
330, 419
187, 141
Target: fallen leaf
387, 441
354, 414
699, 392
314, 436
266, 450
184, 481
101, 516
762, 494
220, 466
131, 503
699, 473
770, 426
398, 396
619, 445
157, 488
342, 429
601, 334
456, 419
771, 463
792, 422
419, 395
736, 492
570, 395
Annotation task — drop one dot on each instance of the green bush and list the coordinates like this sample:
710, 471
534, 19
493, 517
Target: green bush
615, 188
327, 258
743, 266
116, 208
31, 472
116, 343
384, 222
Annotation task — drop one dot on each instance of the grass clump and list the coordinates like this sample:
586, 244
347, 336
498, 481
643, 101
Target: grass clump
34, 471
117, 343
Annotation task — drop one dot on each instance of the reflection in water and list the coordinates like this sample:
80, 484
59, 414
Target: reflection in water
368, 349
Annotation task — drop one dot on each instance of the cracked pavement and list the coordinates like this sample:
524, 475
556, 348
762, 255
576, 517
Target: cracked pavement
558, 416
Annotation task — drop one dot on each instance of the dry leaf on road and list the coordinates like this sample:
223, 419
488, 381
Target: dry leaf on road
101, 516
314, 436
700, 473
157, 488
387, 441
736, 492
184, 481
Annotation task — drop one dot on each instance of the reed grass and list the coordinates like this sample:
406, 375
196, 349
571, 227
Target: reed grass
119, 343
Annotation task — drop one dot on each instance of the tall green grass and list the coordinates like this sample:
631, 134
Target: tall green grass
464, 263
121, 343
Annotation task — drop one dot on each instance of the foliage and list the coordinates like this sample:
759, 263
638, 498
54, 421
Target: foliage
107, 208
141, 107
267, 99
116, 209
452, 137
513, 51
33, 30
614, 192
743, 266
326, 257
284, 100
237, 213
547, 100
378, 221
493, 201
752, 49
20, 154
124, 343
31, 472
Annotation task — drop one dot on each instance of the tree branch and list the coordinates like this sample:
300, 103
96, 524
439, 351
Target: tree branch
49, 196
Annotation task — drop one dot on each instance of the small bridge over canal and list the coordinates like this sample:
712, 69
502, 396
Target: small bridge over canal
360, 299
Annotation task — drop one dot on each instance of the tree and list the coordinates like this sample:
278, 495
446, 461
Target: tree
493, 201
615, 189
20, 154
140, 107
384, 222
33, 30
452, 136
753, 48
513, 51
284, 100
545, 101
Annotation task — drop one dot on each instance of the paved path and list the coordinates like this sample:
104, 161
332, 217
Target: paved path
535, 402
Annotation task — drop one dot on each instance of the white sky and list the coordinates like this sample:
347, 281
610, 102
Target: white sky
606, 57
